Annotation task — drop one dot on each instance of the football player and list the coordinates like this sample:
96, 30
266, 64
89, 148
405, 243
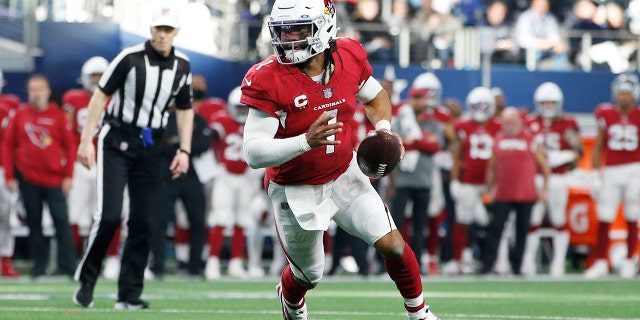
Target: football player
558, 134
302, 102
472, 148
618, 180
7, 240
420, 122
232, 188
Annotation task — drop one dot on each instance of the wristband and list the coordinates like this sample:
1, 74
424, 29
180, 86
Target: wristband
180, 150
383, 125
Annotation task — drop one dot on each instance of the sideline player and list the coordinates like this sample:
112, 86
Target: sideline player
559, 136
232, 189
7, 241
472, 148
302, 102
619, 179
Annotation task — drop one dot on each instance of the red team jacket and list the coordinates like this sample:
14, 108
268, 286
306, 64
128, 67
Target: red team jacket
39, 145
515, 168
289, 95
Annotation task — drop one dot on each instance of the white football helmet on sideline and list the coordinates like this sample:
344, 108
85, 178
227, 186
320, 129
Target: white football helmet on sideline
548, 99
314, 20
626, 82
481, 104
239, 111
427, 84
95, 65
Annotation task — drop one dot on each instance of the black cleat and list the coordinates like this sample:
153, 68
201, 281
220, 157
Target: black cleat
84, 295
131, 305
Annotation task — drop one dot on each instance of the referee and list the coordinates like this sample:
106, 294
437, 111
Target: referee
143, 81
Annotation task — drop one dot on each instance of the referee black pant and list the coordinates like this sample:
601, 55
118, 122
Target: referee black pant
123, 160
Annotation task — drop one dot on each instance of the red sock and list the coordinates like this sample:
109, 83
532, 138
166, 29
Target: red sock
114, 246
181, 235
216, 237
77, 239
632, 239
405, 272
460, 240
433, 240
237, 242
291, 290
602, 245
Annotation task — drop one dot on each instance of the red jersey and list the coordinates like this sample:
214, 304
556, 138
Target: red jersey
75, 103
6, 113
440, 113
552, 135
621, 134
230, 152
286, 93
12, 100
209, 108
476, 142
39, 144
515, 167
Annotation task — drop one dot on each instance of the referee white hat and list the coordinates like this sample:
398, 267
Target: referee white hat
165, 14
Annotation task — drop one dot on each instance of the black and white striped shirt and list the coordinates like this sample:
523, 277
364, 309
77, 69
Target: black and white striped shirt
143, 85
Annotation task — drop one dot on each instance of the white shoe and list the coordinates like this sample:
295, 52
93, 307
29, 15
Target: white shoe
556, 269
600, 268
256, 272
468, 264
431, 316
451, 268
424, 314
629, 268
212, 270
290, 312
236, 269
149, 275
111, 269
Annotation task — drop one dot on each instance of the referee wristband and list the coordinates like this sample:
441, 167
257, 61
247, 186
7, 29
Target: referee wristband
180, 150
383, 125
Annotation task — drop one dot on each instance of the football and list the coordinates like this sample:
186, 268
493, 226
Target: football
378, 154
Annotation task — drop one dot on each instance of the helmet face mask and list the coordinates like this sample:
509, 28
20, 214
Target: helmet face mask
238, 111
626, 83
427, 85
548, 99
95, 66
480, 112
481, 104
300, 29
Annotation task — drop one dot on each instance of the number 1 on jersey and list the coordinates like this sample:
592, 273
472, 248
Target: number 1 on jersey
332, 148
